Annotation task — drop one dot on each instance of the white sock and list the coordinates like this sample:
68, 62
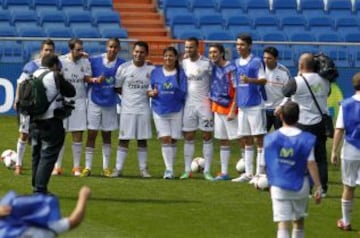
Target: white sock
260, 161
282, 233
20, 151
167, 154
106, 152
189, 149
121, 155
89, 154
142, 157
249, 160
77, 151
224, 158
174, 148
208, 151
297, 233
346, 209
58, 163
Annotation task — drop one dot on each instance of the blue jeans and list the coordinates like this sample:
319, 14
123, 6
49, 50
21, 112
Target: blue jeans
47, 138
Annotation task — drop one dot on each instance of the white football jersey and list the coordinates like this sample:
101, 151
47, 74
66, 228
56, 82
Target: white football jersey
198, 75
134, 82
74, 72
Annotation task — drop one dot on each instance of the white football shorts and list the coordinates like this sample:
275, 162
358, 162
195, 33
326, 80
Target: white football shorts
135, 126
102, 118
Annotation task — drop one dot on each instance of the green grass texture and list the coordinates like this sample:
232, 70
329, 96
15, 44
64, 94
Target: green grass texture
133, 207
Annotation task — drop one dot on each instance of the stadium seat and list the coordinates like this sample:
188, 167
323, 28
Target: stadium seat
105, 16
58, 31
113, 32
210, 22
336, 8
78, 17
180, 23
71, 5
302, 36
187, 34
202, 7
45, 4
229, 7
329, 37
30, 31
352, 37
341, 57
274, 36
11, 4
99, 4
320, 23
93, 48
5, 15
173, 7
285, 55
356, 9
50, 16
7, 30
254, 35
25, 16
218, 35
257, 7
347, 24
312, 7
236, 24
12, 52
85, 32
266, 23
61, 47
291, 24
31, 48
300, 49
284, 8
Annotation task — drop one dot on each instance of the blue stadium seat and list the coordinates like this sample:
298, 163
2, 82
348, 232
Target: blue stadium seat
173, 7
291, 24
58, 31
30, 31
26, 16
31, 48
300, 49
218, 35
229, 7
320, 23
105, 16
254, 35
45, 4
352, 37
71, 5
266, 23
78, 17
93, 48
191, 33
286, 56
12, 52
7, 30
210, 22
336, 8
5, 15
302, 36
341, 57
236, 24
85, 32
99, 4
202, 7
274, 36
61, 47
257, 7
113, 32
312, 7
181, 22
14, 3
329, 37
356, 7
347, 24
284, 7
50, 16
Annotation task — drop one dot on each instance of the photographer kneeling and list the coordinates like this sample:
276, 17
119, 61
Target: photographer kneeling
47, 131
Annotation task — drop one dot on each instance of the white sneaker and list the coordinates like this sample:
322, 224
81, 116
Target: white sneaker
168, 174
254, 179
115, 173
243, 178
144, 173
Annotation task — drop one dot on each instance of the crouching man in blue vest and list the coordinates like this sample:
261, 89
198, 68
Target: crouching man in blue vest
290, 162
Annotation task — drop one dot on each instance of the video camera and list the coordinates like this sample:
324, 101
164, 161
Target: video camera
65, 110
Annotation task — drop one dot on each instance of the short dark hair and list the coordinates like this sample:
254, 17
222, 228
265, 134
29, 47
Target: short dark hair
245, 37
272, 50
50, 60
194, 39
47, 42
356, 81
142, 44
220, 48
73, 41
290, 112
116, 40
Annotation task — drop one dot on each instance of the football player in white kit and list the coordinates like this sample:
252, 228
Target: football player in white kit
132, 82
75, 69
197, 111
102, 102
47, 47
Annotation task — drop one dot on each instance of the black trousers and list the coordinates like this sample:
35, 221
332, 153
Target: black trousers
47, 138
272, 120
320, 151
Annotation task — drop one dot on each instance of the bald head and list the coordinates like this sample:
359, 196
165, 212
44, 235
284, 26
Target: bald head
356, 81
306, 63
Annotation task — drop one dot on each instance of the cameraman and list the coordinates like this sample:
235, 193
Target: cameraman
47, 131
310, 118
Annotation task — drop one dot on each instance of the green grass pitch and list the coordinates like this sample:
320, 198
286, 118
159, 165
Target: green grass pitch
132, 207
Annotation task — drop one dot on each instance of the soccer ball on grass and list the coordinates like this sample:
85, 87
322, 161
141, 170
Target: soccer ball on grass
197, 165
8, 157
